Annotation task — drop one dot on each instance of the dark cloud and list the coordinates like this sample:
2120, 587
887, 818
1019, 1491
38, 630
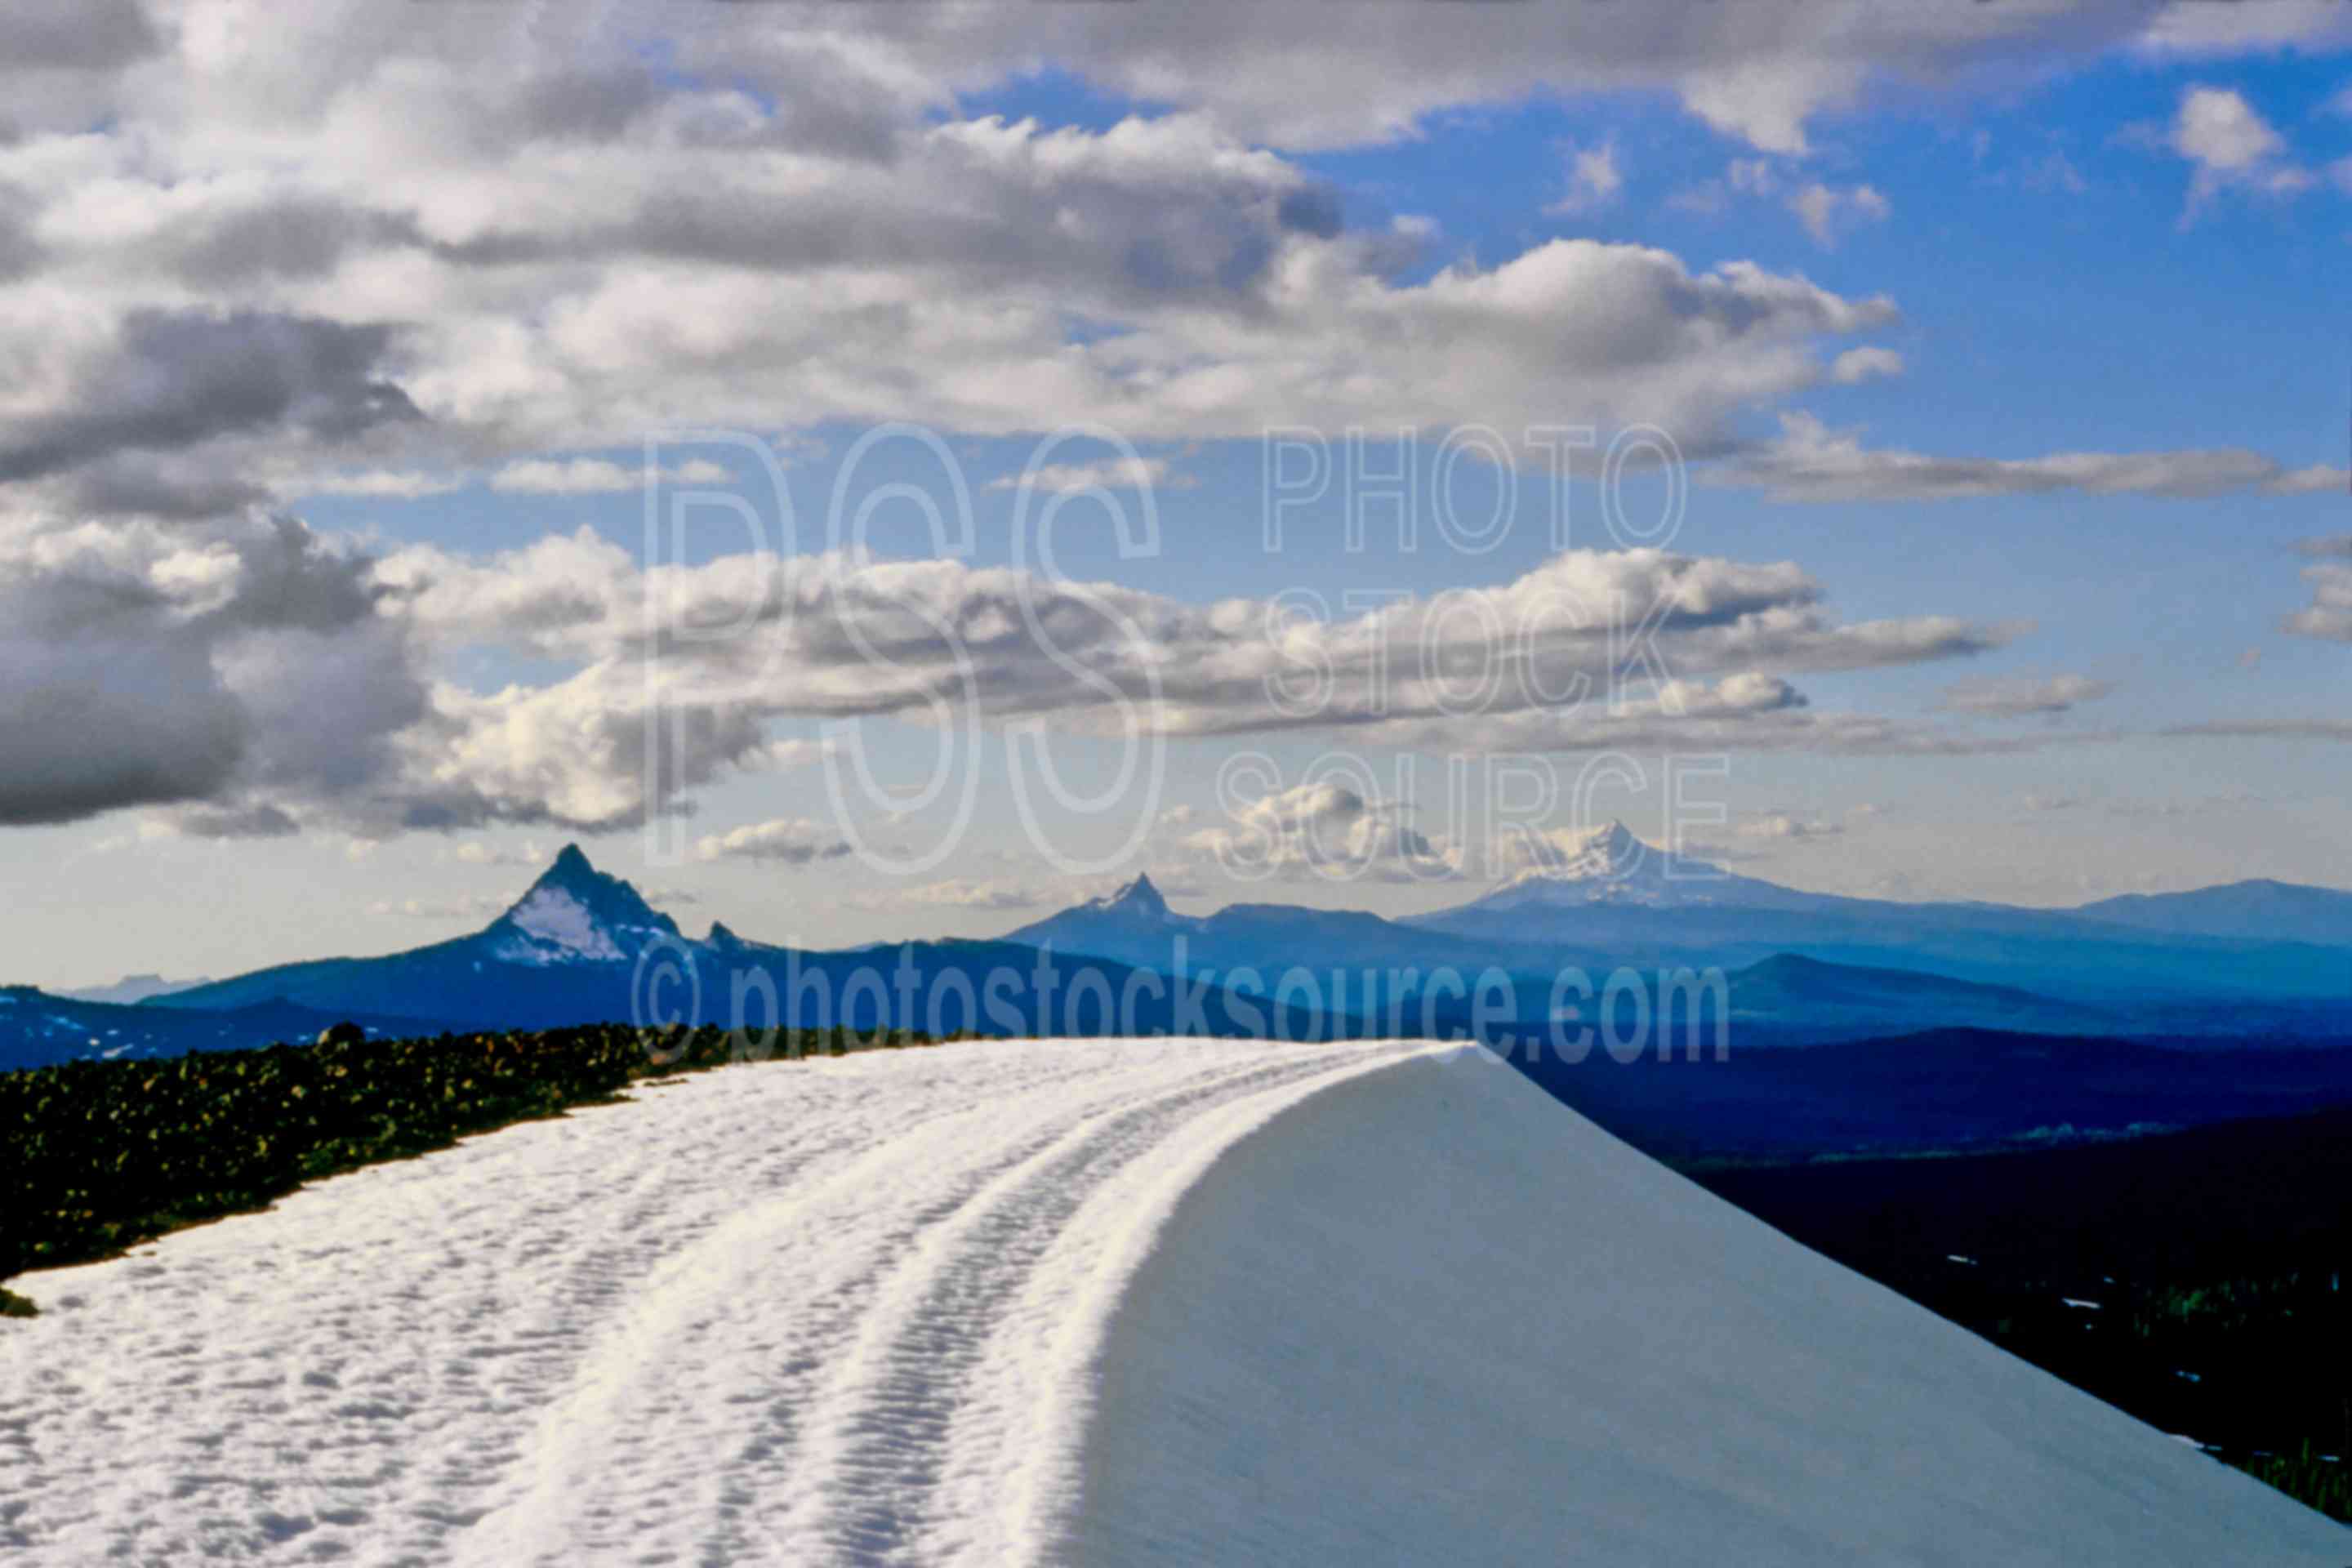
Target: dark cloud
175, 379
1312, 210
20, 252
296, 238
89, 34
256, 820
141, 485
178, 663
90, 727
594, 103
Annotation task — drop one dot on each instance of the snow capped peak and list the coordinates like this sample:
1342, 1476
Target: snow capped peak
1611, 847
575, 913
1138, 897
1597, 854
1606, 865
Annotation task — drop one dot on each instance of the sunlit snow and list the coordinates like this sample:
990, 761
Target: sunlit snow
1084, 1302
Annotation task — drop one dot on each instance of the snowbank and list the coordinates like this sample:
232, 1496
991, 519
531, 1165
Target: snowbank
1428, 1316
1144, 1302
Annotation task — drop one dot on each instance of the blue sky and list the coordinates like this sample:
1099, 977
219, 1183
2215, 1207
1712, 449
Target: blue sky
2021, 338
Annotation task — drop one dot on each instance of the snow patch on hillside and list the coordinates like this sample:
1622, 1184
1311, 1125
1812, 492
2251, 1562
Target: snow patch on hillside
555, 919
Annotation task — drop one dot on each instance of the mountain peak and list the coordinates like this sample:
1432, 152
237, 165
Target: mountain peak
575, 911
1607, 851
1140, 895
570, 866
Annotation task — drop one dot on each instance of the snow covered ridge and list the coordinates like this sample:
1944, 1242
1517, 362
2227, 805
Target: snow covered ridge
1072, 1302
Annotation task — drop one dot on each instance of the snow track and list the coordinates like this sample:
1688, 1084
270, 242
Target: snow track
1070, 1302
783, 1313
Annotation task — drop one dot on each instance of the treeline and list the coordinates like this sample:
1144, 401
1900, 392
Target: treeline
2200, 1280
96, 1157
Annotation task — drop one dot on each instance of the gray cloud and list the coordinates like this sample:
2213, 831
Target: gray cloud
288, 238
2024, 695
255, 820
936, 641
832, 635
991, 205
174, 379
20, 251
1813, 463
87, 36
1325, 830
969, 893
789, 220
144, 485
189, 664
1283, 74
790, 841
1788, 826
796, 226
476, 907
2269, 729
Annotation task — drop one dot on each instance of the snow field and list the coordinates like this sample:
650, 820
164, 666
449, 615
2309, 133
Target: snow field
1070, 1302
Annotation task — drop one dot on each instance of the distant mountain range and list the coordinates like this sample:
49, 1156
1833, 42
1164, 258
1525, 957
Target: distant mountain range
582, 946
39, 1029
2251, 940
1136, 926
1828, 999
579, 945
2257, 910
132, 988
2183, 958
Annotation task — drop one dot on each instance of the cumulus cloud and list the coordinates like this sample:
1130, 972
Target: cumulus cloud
151, 664
1584, 646
476, 907
1282, 75
788, 840
1830, 212
586, 244
1327, 829
597, 475
2019, 697
100, 35
385, 247
1812, 462
2329, 614
378, 484
477, 852
968, 893
1789, 827
170, 380
1857, 366
2231, 145
1110, 473
1593, 180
